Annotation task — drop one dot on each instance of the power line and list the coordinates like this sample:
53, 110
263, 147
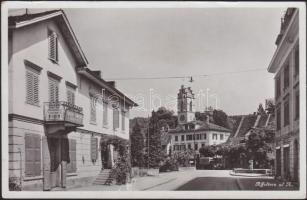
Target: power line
190, 76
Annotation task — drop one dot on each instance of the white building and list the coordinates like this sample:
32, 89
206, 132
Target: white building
191, 133
56, 121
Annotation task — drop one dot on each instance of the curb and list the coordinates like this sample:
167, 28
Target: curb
159, 184
240, 186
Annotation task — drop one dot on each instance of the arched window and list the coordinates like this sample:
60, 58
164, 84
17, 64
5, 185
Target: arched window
191, 106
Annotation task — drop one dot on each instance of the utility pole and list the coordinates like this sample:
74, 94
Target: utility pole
148, 143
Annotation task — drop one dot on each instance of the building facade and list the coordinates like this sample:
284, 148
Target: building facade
59, 109
190, 133
285, 66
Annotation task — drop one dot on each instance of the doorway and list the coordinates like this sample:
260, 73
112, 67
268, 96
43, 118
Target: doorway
55, 158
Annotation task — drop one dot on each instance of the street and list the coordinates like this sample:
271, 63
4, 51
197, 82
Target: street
194, 180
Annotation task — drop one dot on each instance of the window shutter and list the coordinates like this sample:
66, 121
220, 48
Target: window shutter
94, 148
123, 120
32, 155
29, 84
53, 90
105, 113
53, 46
35, 89
72, 165
93, 109
115, 118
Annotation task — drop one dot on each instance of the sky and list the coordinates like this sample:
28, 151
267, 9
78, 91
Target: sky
163, 42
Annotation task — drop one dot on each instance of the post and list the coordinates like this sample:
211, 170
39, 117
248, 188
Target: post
20, 162
148, 144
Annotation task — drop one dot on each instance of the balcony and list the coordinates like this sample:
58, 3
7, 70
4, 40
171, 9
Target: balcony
64, 113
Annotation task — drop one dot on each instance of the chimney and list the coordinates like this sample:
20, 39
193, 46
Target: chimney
112, 83
97, 73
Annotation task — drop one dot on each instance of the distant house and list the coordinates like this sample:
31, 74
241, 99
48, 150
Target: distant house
190, 133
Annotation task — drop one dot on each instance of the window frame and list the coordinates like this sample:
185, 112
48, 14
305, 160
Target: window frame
53, 52
37, 137
32, 99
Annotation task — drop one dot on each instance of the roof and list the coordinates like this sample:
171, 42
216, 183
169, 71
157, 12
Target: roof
247, 124
92, 75
203, 126
61, 20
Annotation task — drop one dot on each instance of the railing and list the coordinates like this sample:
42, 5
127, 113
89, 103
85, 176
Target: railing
63, 111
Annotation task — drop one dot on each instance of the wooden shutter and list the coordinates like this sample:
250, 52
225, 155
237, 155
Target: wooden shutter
29, 85
123, 120
32, 154
53, 46
93, 109
72, 161
46, 165
105, 113
115, 118
32, 87
53, 90
94, 148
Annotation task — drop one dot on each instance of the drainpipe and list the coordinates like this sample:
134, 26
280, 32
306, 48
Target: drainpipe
20, 162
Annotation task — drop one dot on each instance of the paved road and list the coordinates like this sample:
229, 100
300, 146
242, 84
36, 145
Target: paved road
211, 183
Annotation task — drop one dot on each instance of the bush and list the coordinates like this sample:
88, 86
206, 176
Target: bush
169, 165
14, 184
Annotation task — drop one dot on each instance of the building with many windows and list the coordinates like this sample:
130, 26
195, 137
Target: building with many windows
59, 109
190, 133
285, 66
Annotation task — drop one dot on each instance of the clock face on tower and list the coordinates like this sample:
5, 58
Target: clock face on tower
182, 118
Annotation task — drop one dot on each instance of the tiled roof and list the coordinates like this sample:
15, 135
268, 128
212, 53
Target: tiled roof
203, 126
262, 120
247, 124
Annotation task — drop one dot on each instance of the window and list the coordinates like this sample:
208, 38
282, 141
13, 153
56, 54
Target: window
278, 88
286, 112
176, 138
32, 155
196, 146
105, 113
205, 136
278, 118
189, 137
94, 149
123, 120
32, 87
72, 164
182, 137
198, 136
53, 46
297, 105
191, 106
70, 95
189, 146
53, 90
202, 145
296, 61
115, 118
182, 147
286, 76
93, 108
214, 136
222, 137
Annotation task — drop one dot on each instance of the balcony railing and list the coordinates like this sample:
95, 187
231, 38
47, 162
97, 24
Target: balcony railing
62, 111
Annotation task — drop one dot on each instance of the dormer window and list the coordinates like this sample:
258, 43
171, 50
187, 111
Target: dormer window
52, 46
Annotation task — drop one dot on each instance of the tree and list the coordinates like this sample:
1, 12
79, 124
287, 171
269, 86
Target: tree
137, 146
207, 151
260, 110
220, 118
154, 148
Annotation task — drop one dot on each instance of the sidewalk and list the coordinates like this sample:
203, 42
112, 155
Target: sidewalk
137, 184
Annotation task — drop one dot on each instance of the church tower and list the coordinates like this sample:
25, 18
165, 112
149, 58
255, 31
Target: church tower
185, 101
